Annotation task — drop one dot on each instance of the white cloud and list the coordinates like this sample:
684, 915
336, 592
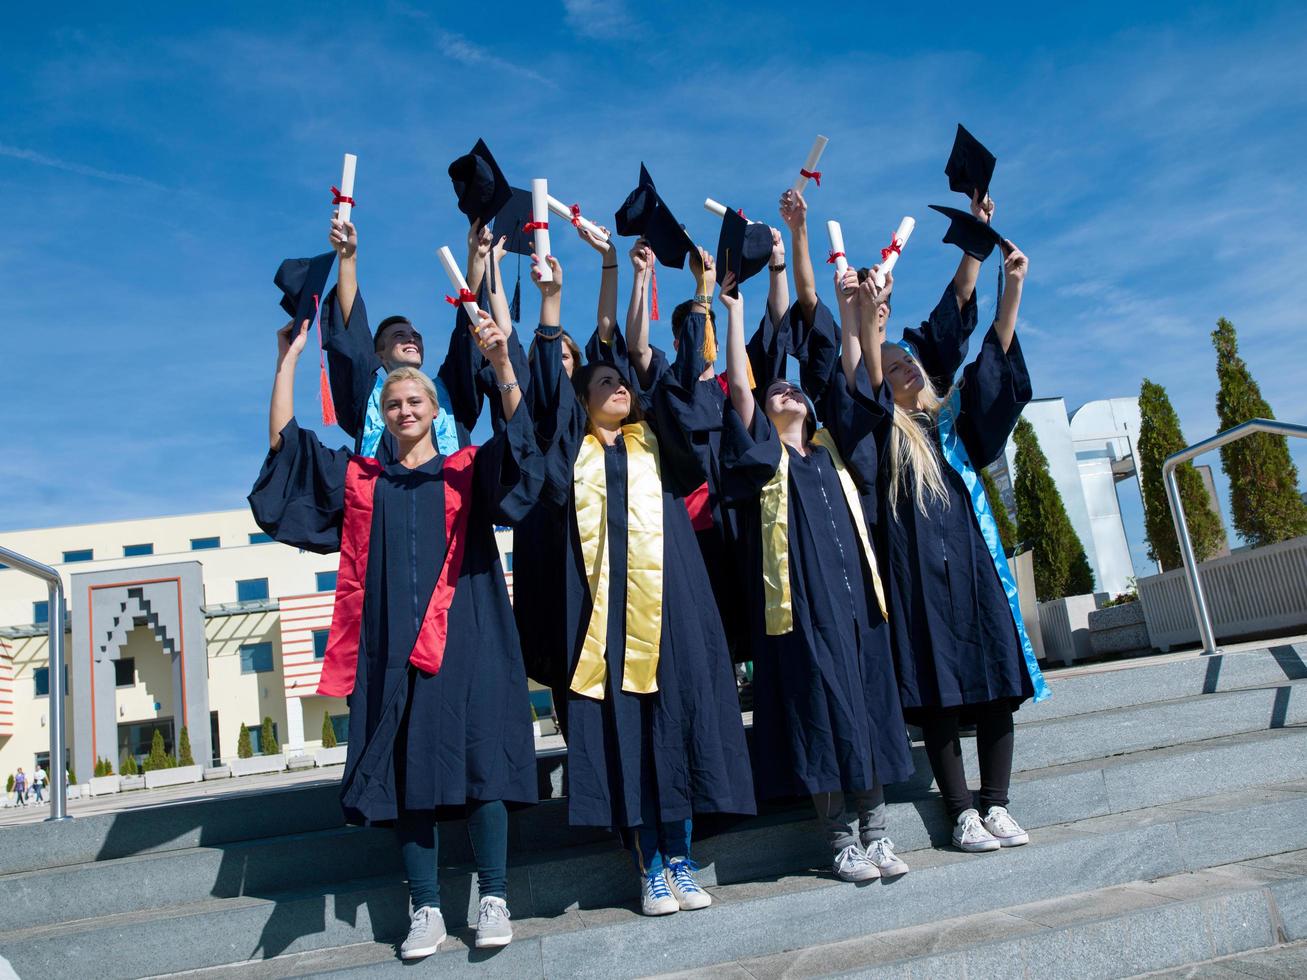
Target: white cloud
603, 20
72, 167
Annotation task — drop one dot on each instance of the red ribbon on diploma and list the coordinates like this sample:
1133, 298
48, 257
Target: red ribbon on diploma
464, 296
576, 216
811, 175
830, 259
533, 225
895, 248
338, 198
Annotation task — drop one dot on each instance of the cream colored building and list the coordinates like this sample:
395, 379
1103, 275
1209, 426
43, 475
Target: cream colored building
265, 607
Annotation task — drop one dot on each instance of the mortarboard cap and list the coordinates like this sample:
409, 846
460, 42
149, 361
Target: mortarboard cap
479, 184
743, 247
968, 232
970, 166
303, 284
510, 221
644, 214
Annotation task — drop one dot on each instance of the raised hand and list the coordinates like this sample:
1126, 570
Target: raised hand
500, 249
777, 247
641, 257
599, 244
490, 338
794, 209
704, 268
291, 342
547, 289
343, 237
479, 241
982, 210
729, 296
1015, 263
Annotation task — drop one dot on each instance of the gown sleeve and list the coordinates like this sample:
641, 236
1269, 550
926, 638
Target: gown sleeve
510, 468
942, 340
861, 420
559, 418
299, 495
676, 414
750, 455
468, 377
816, 347
614, 352
352, 361
767, 349
995, 388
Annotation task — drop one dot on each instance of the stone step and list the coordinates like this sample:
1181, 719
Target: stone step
779, 842
1284, 962
749, 918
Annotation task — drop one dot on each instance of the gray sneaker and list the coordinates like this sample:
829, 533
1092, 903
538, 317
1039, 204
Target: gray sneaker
492, 923
880, 852
852, 864
425, 934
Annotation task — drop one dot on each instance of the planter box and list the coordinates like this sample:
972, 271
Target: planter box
1118, 629
1064, 624
217, 772
334, 756
258, 764
298, 762
126, 783
173, 777
104, 785
1256, 592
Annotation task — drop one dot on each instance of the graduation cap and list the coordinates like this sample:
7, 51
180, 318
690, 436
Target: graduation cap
479, 184
968, 232
743, 247
645, 214
970, 166
510, 222
303, 282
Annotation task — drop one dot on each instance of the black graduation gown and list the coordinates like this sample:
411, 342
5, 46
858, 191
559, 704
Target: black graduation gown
954, 639
421, 741
686, 741
826, 705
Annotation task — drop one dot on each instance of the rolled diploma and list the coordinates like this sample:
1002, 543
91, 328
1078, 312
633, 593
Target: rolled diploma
837, 246
458, 282
540, 213
343, 209
810, 165
901, 237
715, 207
563, 211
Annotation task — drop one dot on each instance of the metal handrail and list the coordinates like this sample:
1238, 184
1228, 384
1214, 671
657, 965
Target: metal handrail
1196, 595
58, 757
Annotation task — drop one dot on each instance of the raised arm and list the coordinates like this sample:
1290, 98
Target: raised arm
344, 239
794, 212
637, 311
551, 293
606, 314
737, 358
778, 289
498, 297
494, 344
964, 280
479, 240
281, 408
870, 335
846, 288
1015, 266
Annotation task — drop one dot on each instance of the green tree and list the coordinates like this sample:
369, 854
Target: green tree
1263, 480
267, 739
328, 732
1061, 568
103, 767
184, 757
1159, 437
9, 786
244, 748
1006, 532
127, 766
158, 758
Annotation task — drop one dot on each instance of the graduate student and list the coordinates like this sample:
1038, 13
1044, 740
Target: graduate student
654, 728
827, 719
960, 653
422, 638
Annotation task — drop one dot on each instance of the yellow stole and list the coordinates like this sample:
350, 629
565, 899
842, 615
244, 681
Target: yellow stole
775, 502
644, 561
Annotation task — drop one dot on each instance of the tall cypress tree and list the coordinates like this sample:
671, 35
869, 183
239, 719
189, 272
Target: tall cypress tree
1006, 532
1159, 437
1263, 480
1061, 568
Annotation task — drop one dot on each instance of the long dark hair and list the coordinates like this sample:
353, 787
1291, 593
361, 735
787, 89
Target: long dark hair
584, 375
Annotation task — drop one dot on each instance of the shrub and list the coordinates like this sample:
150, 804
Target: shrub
328, 732
268, 739
184, 757
158, 758
103, 767
9, 786
127, 766
244, 748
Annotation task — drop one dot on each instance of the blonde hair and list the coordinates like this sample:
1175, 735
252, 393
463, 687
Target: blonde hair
401, 374
912, 453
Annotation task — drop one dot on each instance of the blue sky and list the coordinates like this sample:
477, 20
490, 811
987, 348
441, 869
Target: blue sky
157, 161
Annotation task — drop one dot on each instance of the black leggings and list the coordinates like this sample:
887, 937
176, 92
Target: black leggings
993, 746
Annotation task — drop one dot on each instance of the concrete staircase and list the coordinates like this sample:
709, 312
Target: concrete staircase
1167, 802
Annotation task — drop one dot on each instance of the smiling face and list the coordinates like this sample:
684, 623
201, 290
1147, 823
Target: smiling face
903, 374
409, 410
607, 398
400, 345
784, 403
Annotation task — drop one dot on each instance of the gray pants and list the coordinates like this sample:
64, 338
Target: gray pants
836, 819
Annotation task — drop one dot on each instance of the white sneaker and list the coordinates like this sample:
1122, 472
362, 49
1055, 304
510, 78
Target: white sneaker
852, 864
492, 923
656, 896
1000, 823
969, 834
685, 887
880, 852
425, 934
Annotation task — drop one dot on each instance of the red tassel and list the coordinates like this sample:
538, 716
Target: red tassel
324, 392
653, 294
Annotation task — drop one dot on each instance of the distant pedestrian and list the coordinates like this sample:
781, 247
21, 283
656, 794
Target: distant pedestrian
20, 787
39, 780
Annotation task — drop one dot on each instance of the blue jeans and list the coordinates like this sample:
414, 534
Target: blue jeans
487, 826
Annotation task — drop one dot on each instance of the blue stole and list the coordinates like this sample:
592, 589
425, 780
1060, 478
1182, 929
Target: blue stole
444, 431
956, 455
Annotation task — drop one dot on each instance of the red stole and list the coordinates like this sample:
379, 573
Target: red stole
340, 663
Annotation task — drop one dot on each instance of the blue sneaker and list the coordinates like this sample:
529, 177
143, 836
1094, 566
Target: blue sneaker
685, 887
655, 896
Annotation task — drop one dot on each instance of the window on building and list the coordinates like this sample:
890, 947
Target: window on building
124, 672
250, 589
204, 544
256, 658
41, 612
258, 537
326, 581
81, 554
320, 643
136, 550
508, 561
256, 737
41, 678
340, 725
